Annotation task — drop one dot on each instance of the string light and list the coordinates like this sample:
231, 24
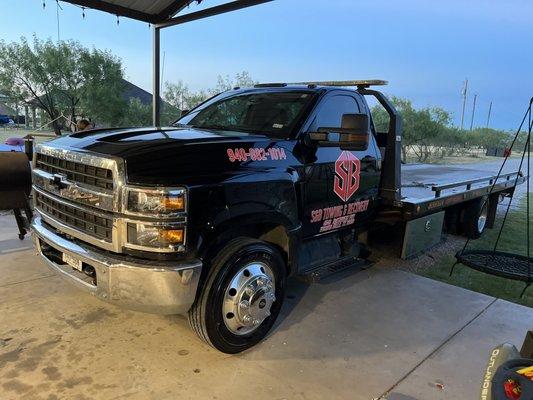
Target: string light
44, 4
118, 21
83, 12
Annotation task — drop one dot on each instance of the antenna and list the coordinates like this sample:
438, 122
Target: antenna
162, 71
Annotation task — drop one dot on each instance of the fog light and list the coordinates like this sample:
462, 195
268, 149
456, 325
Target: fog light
154, 236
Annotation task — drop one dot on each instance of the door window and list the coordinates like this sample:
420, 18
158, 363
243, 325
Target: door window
330, 114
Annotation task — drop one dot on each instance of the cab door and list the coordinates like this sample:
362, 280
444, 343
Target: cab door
340, 186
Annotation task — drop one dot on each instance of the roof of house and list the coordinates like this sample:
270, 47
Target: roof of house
5, 109
133, 91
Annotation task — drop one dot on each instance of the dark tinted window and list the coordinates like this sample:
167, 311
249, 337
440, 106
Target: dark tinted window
332, 109
270, 113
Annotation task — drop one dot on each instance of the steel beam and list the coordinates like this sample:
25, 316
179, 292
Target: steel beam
210, 12
156, 81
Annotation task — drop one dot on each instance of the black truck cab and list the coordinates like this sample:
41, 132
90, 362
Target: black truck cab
210, 216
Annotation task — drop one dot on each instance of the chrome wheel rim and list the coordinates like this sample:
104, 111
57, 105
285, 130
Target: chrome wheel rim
482, 220
249, 298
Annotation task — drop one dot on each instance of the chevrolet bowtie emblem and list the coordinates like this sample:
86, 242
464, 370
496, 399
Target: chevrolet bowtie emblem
75, 194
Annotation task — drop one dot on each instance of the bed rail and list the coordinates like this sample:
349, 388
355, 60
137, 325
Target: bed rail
468, 183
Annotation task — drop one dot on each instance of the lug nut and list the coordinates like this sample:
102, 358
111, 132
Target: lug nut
260, 282
272, 297
249, 291
244, 305
256, 322
247, 319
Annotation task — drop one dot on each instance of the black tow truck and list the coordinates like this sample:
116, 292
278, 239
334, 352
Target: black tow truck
209, 217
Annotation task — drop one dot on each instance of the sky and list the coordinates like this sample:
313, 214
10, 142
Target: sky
425, 49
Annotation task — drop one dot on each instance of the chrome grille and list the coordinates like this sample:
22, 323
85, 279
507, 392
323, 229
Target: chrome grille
82, 219
76, 172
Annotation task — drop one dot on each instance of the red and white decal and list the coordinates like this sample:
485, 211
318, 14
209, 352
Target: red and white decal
256, 154
347, 172
338, 216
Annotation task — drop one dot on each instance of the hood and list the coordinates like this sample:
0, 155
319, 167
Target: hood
125, 142
171, 156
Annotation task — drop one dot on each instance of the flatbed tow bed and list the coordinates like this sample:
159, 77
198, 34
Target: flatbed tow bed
429, 188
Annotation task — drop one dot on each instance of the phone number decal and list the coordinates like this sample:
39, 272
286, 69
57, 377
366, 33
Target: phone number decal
256, 154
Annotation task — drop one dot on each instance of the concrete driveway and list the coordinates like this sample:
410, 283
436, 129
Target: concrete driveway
380, 333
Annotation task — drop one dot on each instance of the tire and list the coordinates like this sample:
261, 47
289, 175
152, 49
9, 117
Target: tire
218, 316
474, 218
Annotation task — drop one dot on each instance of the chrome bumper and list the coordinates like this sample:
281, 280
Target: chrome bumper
141, 285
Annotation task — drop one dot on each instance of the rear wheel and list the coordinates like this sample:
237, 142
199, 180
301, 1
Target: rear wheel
474, 218
242, 296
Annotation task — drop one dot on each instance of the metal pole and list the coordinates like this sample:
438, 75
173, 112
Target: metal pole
488, 116
473, 112
156, 106
465, 90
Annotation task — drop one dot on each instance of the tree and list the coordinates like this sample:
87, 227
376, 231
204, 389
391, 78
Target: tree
422, 129
137, 114
179, 98
242, 79
103, 87
429, 132
63, 78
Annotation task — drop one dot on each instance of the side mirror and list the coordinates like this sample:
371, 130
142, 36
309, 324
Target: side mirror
352, 135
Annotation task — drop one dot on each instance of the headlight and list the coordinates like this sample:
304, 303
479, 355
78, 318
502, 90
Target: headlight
169, 238
159, 202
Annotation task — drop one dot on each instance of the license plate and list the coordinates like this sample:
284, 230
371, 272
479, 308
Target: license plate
73, 262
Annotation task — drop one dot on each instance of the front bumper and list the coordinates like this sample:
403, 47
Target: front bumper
141, 285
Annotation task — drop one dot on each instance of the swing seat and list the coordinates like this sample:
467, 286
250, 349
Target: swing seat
506, 265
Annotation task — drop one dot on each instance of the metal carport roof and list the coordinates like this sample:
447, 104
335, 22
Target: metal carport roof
152, 11
162, 14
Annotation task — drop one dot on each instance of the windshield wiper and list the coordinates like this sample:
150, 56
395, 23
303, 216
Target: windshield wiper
214, 126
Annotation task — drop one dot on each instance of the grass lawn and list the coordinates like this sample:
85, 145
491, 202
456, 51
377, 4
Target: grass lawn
21, 132
513, 239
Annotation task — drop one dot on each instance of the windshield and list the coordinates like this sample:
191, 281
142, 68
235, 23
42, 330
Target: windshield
268, 113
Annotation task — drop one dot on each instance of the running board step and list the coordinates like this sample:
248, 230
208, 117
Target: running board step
319, 273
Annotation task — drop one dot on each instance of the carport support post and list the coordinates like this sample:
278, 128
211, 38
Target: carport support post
156, 105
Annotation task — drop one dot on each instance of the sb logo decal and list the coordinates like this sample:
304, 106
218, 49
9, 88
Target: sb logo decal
347, 171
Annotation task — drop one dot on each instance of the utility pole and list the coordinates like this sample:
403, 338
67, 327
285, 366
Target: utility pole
488, 116
473, 112
464, 93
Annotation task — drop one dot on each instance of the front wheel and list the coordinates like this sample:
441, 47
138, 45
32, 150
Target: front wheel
242, 296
